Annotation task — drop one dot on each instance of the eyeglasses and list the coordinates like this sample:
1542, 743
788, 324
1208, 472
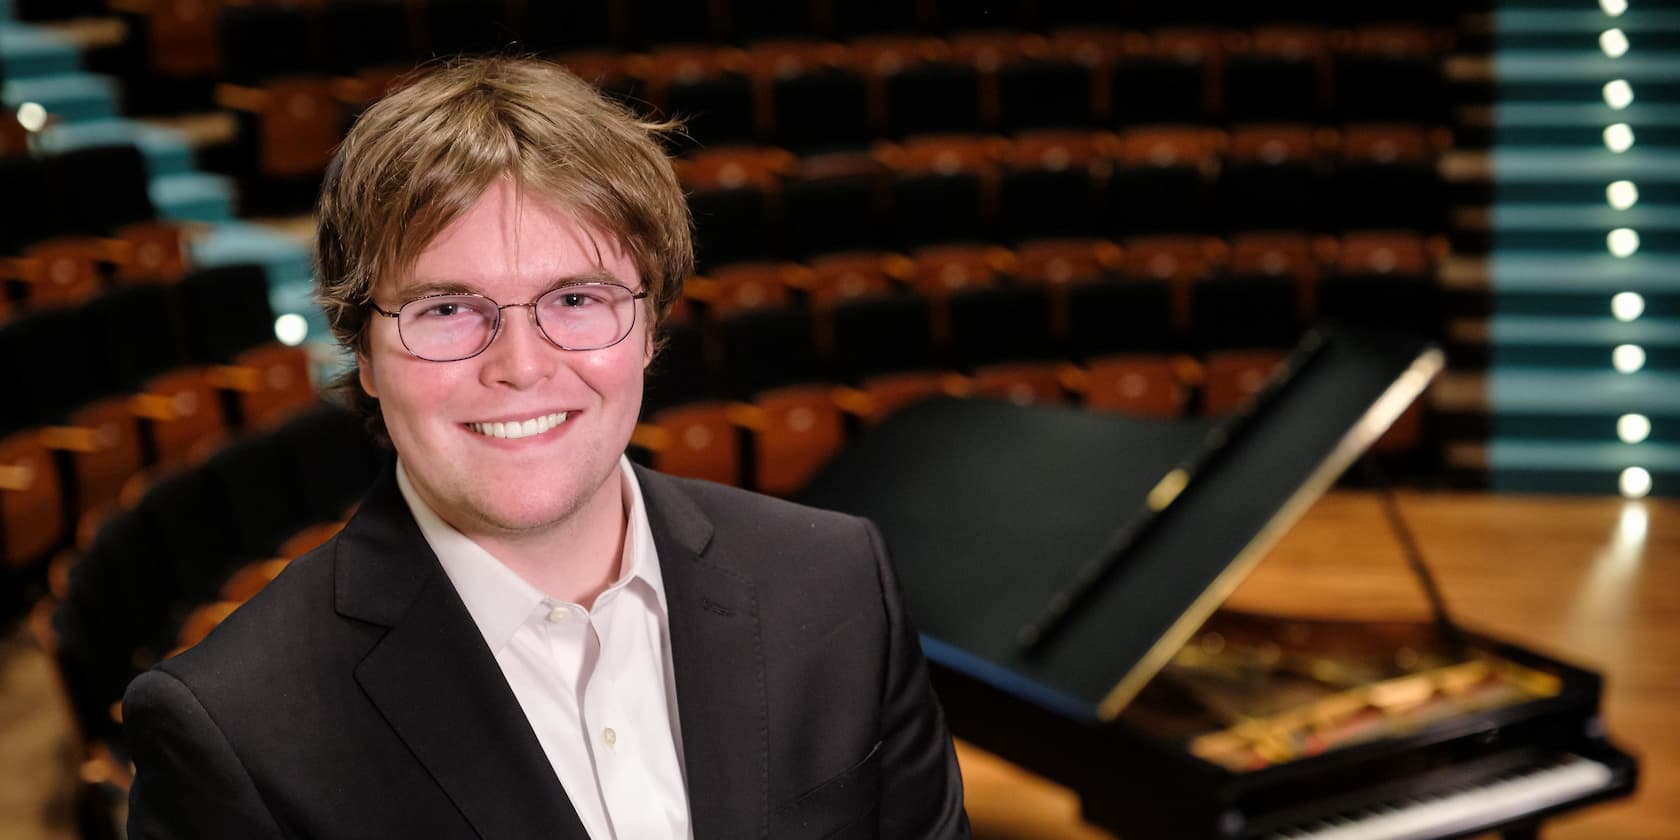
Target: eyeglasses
577, 316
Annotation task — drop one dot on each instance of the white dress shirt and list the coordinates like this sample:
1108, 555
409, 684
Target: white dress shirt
596, 685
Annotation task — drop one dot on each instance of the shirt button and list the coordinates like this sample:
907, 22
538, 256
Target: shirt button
609, 736
559, 614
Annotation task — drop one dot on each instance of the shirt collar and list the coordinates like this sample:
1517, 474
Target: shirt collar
500, 600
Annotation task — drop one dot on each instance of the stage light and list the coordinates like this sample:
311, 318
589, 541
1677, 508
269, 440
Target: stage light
1614, 42
1633, 524
1628, 358
1622, 242
1627, 306
291, 329
1618, 94
32, 116
1621, 194
1613, 8
1635, 483
1633, 428
1618, 137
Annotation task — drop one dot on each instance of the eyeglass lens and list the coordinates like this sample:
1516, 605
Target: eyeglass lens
445, 328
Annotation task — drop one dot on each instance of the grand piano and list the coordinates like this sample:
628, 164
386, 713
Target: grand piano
1068, 571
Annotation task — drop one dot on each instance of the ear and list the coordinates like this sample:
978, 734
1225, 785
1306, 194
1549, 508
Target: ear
364, 372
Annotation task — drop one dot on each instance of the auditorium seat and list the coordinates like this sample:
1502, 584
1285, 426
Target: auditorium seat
368, 44
1135, 384
229, 323
931, 97
1243, 311
1270, 180
1389, 73
796, 430
1179, 261
698, 440
850, 274
881, 333
876, 398
943, 189
732, 224
820, 108
1279, 77
708, 88
939, 271
680, 372
1163, 80
764, 347
834, 211
1291, 255
1231, 378
1064, 262
1160, 184
62, 393
1386, 279
1125, 314
39, 261
289, 119
999, 323
1021, 383
748, 285
103, 192
1045, 91
1399, 164
1050, 189
609, 71
177, 40
138, 338
32, 521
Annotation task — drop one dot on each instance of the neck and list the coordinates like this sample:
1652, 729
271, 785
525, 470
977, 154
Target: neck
575, 559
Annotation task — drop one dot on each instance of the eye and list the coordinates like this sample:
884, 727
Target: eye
444, 308
582, 297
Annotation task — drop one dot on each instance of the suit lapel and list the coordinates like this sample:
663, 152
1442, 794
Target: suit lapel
717, 655
436, 682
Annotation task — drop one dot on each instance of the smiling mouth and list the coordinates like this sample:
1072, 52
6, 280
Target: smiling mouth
520, 429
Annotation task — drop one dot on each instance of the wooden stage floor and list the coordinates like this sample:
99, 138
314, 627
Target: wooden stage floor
1594, 582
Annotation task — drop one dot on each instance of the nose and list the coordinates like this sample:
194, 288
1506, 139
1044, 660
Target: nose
520, 356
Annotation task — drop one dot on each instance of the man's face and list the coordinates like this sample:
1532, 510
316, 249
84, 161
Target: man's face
510, 248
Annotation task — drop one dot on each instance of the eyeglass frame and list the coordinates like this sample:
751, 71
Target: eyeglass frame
496, 328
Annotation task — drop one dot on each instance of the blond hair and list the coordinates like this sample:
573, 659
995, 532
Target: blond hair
421, 157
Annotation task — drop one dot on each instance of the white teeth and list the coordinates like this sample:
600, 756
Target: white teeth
517, 430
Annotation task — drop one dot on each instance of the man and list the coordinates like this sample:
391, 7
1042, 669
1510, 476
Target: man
518, 634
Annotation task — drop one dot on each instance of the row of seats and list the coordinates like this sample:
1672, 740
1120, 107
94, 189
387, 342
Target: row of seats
138, 377
295, 75
762, 203
846, 317
73, 222
121, 601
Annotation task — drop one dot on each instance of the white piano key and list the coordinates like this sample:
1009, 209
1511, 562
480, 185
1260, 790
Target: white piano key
1433, 815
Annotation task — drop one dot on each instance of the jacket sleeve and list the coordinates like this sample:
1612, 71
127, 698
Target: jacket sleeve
921, 785
188, 781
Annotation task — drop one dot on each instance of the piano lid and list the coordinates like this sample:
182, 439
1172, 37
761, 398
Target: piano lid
1065, 556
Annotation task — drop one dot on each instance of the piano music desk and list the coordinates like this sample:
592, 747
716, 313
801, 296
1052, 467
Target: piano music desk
1592, 581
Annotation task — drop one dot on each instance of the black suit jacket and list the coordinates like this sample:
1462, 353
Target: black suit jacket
355, 698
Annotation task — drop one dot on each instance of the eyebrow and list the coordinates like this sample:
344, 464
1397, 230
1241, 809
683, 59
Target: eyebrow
429, 288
